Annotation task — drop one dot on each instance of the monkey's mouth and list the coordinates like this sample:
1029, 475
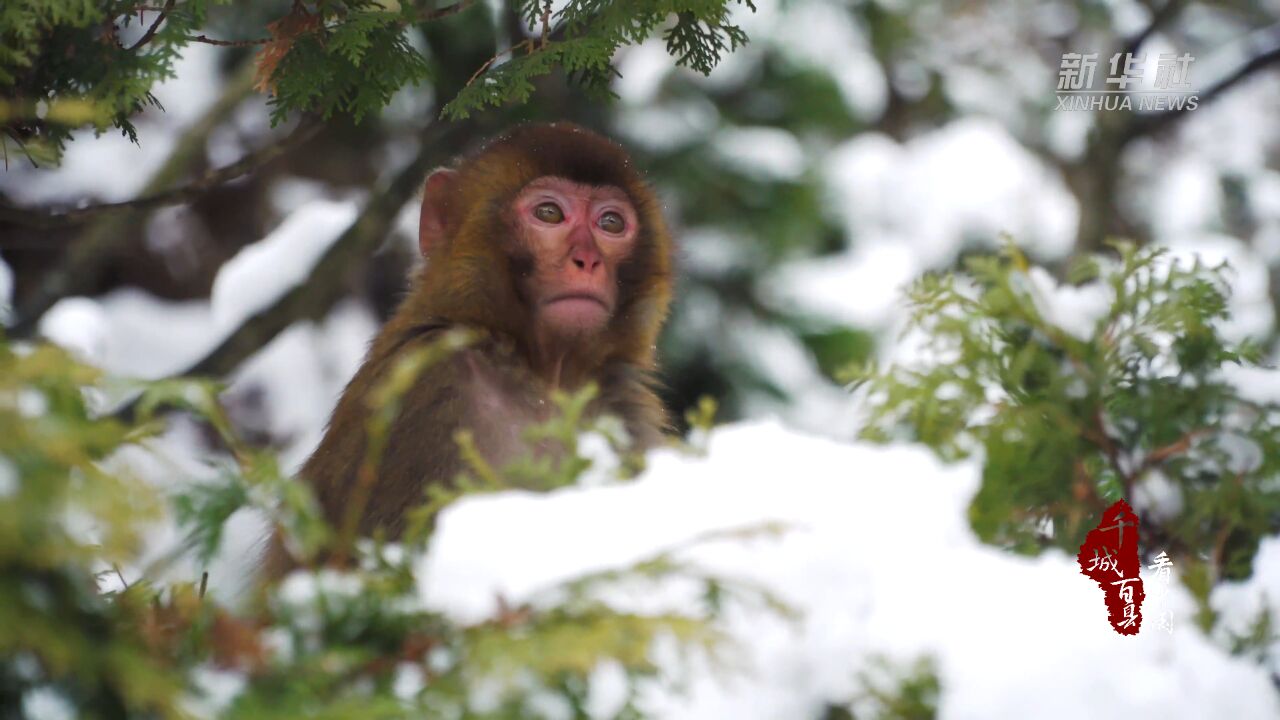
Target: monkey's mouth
577, 310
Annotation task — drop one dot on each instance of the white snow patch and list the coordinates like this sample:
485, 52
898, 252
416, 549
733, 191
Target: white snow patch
1260, 384
878, 558
110, 167
863, 287
263, 272
131, 333
1252, 313
1077, 310
79, 325
824, 36
765, 152
6, 291
1242, 603
967, 181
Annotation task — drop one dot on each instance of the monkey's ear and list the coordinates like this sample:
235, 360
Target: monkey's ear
437, 221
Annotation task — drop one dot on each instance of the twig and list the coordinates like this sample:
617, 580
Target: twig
1157, 457
151, 31
1098, 436
1150, 124
105, 238
322, 289
227, 43
546, 22
204, 583
422, 16
45, 219
526, 44
437, 13
1158, 19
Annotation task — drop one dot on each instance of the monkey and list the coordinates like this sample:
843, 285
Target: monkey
549, 245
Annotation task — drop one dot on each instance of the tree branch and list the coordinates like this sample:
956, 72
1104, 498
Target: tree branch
43, 219
102, 239
227, 43
423, 15
151, 31
1144, 125
314, 297
1158, 20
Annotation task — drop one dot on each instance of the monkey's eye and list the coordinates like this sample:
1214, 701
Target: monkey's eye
549, 212
612, 222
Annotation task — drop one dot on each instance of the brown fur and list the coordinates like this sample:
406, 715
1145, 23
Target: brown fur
496, 387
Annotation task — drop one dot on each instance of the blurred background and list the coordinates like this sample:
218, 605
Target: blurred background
849, 147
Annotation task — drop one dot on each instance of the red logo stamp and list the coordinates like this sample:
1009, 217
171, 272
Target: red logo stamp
1109, 556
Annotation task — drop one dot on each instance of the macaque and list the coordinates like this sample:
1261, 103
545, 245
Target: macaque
550, 246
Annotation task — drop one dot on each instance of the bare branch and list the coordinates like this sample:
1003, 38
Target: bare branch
1159, 18
424, 15
314, 297
44, 219
526, 45
105, 237
1144, 125
437, 13
227, 43
151, 31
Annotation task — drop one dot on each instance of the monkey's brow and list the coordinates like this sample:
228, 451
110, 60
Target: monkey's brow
556, 179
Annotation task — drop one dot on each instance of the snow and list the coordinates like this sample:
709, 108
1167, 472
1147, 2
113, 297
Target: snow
915, 206
1252, 314
47, 703
1259, 384
263, 272
215, 689
666, 127
642, 69
968, 179
6, 290
1240, 604
112, 168
876, 555
8, 479
302, 373
1077, 310
768, 153
824, 36
131, 333
863, 287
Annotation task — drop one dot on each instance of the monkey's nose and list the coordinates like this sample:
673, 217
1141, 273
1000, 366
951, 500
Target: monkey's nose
586, 258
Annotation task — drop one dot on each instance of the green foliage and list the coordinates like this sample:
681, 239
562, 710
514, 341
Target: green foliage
63, 521
352, 638
893, 691
63, 66
353, 61
1068, 424
67, 64
582, 37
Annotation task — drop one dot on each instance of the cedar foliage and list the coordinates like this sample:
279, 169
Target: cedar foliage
68, 64
1140, 405
351, 638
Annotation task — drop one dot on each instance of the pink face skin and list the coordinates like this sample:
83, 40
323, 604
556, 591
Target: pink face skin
578, 235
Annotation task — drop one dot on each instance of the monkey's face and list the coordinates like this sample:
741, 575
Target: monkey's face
577, 235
